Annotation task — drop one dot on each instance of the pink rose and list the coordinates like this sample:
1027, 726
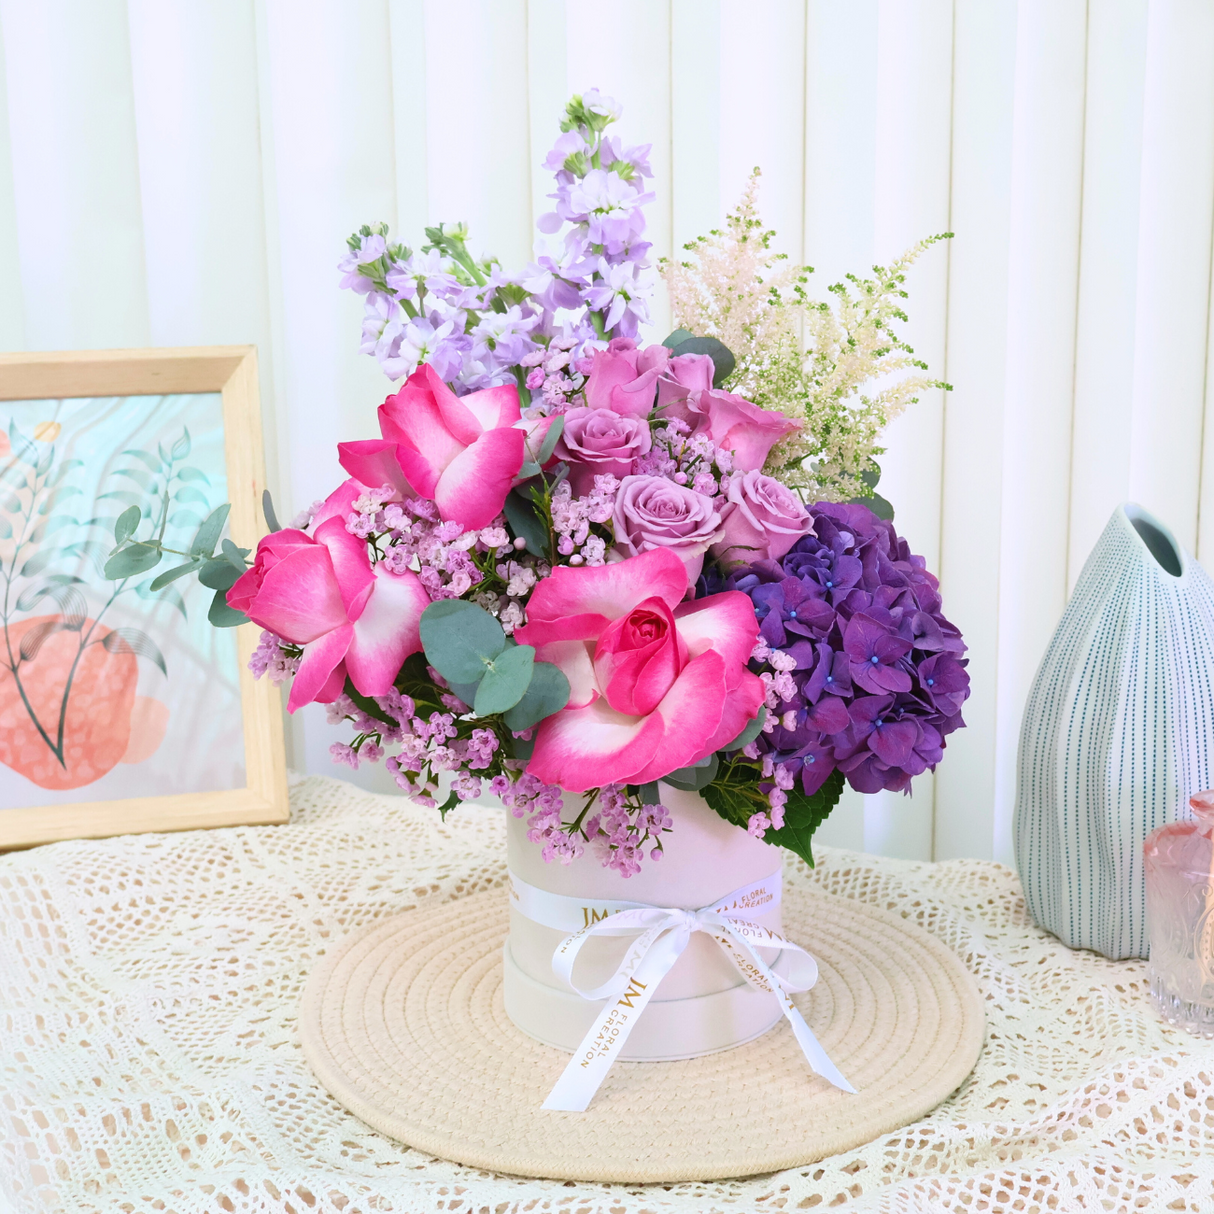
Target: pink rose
320, 591
733, 423
652, 512
762, 520
684, 375
654, 685
624, 379
462, 452
597, 441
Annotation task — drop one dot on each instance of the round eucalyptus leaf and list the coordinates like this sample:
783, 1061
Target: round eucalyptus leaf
723, 361
506, 680
133, 559
751, 731
692, 779
547, 693
460, 640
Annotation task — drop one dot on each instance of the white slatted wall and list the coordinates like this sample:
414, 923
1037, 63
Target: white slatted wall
175, 172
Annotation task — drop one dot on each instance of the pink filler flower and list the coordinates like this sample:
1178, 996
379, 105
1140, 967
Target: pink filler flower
320, 591
655, 686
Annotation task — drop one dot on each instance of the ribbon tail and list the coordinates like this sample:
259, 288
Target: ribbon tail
811, 1047
586, 1070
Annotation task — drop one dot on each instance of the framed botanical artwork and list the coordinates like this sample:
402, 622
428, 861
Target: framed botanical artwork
121, 708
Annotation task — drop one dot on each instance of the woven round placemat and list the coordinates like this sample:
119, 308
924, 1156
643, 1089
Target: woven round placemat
403, 1023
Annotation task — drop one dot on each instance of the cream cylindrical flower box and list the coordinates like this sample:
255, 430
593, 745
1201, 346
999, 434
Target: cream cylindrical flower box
703, 1004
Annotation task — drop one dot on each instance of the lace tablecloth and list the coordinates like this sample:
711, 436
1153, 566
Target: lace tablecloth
149, 987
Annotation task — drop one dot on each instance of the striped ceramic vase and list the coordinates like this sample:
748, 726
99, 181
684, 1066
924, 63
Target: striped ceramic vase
1117, 733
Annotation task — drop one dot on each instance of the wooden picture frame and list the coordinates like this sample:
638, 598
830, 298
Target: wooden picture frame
232, 372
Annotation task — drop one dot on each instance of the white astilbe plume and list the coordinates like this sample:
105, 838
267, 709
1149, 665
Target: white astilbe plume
806, 359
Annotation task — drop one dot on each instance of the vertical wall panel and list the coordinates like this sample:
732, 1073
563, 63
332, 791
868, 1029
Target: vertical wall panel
697, 120
75, 173
1104, 343
1043, 257
983, 82
1177, 200
12, 305
407, 35
547, 92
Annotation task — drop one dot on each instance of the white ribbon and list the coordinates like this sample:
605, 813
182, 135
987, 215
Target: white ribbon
662, 934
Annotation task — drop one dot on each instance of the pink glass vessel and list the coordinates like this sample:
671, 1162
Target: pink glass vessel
1180, 917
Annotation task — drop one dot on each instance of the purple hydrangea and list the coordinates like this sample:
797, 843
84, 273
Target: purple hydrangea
877, 672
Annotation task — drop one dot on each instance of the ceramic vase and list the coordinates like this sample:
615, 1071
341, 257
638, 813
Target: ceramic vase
703, 1004
1116, 733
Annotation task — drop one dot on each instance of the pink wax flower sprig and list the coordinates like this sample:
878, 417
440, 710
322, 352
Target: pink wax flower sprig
564, 573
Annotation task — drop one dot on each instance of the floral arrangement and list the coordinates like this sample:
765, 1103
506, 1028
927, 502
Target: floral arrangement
565, 571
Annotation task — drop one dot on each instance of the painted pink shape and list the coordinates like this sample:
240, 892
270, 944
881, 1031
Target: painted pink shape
149, 722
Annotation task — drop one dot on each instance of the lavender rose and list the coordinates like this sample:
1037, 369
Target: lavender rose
598, 441
652, 512
762, 520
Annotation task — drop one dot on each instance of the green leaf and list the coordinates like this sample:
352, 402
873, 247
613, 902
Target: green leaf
141, 478
223, 616
218, 573
650, 794
131, 640
233, 555
133, 559
529, 469
447, 806
368, 705
125, 524
723, 361
505, 681
267, 508
460, 639
555, 429
522, 748
880, 507
526, 523
752, 731
171, 575
208, 534
189, 494
677, 337
692, 779
181, 448
465, 691
803, 815
872, 474
192, 474
548, 692
148, 458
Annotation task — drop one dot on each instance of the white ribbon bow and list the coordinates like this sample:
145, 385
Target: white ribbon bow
662, 934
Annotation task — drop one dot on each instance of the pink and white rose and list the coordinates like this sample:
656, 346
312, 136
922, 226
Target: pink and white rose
652, 512
321, 592
655, 684
762, 520
733, 423
463, 452
624, 379
598, 441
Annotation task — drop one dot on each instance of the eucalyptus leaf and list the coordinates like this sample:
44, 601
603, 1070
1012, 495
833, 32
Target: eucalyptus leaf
125, 524
526, 523
529, 469
678, 336
133, 559
523, 748
208, 534
722, 357
171, 575
217, 573
235, 556
692, 779
267, 508
649, 794
548, 692
465, 691
367, 705
505, 681
223, 616
460, 640
752, 731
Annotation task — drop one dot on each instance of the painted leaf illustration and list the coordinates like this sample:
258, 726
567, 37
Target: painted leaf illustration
13, 474
187, 494
181, 448
57, 495
6, 529
62, 471
141, 478
123, 495
194, 474
37, 563
45, 462
22, 448
34, 639
147, 457
131, 640
169, 594
70, 601
185, 518
89, 548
